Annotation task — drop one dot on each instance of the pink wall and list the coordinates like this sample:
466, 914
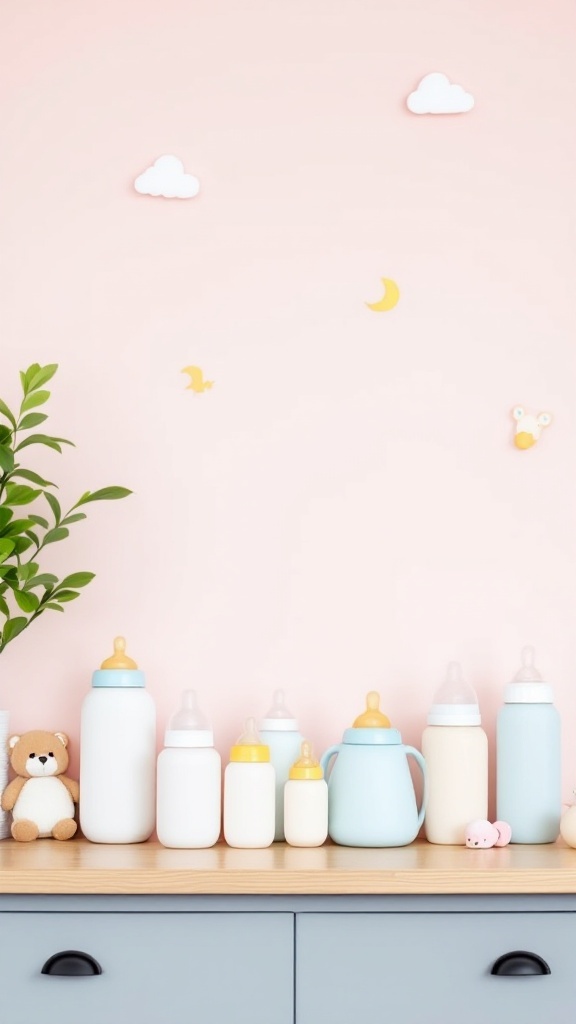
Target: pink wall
345, 509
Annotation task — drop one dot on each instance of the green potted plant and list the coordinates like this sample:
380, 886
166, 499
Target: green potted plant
31, 518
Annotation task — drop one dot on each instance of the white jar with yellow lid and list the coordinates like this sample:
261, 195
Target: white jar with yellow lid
249, 793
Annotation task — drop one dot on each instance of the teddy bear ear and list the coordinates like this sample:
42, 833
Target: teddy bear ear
62, 737
12, 742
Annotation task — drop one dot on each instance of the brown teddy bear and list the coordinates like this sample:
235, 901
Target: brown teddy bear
41, 798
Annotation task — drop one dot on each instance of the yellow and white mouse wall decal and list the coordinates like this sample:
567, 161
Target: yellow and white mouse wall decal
529, 428
437, 95
167, 178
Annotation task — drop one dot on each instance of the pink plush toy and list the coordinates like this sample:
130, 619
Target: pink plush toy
482, 835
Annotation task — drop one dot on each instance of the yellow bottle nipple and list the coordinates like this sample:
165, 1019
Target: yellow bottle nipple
249, 747
306, 767
119, 659
372, 718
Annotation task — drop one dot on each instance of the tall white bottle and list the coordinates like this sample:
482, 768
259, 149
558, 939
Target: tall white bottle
249, 793
306, 802
279, 731
189, 781
455, 749
528, 757
118, 754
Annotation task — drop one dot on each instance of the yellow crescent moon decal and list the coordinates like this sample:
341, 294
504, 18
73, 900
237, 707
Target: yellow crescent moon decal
389, 299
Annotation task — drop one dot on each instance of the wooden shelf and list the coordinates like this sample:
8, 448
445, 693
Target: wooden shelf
77, 866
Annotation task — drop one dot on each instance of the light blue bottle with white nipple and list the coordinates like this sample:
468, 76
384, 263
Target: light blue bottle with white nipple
528, 757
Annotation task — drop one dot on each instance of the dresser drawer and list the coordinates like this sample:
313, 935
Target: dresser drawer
432, 968
157, 968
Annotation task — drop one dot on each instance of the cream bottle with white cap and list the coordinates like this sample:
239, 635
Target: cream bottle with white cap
279, 731
189, 781
455, 748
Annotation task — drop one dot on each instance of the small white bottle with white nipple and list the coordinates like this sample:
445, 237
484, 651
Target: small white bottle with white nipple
189, 781
249, 793
279, 730
306, 802
455, 748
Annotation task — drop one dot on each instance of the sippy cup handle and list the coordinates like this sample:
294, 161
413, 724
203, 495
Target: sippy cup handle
326, 757
412, 752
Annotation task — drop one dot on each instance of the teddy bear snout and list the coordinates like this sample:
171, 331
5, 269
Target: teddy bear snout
43, 758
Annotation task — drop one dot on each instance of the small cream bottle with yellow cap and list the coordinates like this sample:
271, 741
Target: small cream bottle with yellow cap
306, 802
249, 793
118, 754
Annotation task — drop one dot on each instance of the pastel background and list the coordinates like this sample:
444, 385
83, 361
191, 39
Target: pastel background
345, 509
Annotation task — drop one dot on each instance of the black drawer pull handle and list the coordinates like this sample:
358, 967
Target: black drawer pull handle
519, 964
72, 964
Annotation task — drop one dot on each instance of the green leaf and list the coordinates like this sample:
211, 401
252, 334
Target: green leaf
6, 548
27, 602
5, 434
17, 526
12, 627
22, 544
35, 478
45, 579
6, 459
29, 374
50, 442
6, 412
56, 607
33, 537
39, 521
43, 374
10, 578
25, 572
5, 516
64, 595
78, 579
4, 609
31, 401
104, 494
74, 518
58, 533
20, 494
54, 505
32, 419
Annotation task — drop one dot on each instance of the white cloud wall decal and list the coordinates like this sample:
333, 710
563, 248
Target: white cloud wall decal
167, 178
437, 95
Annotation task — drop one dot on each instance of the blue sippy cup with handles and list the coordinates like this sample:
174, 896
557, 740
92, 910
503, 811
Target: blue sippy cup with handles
371, 799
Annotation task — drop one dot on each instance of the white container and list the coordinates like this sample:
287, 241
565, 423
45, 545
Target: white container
118, 754
455, 749
249, 793
306, 802
528, 757
279, 731
5, 816
189, 781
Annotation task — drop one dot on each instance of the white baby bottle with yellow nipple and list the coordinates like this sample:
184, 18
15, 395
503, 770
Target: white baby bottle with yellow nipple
306, 802
455, 748
118, 753
189, 781
249, 792
279, 731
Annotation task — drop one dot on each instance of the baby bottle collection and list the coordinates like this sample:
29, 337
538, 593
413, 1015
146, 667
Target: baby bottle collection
360, 792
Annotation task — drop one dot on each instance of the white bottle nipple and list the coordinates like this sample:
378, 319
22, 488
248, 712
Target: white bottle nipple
188, 727
278, 717
455, 702
528, 673
189, 715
